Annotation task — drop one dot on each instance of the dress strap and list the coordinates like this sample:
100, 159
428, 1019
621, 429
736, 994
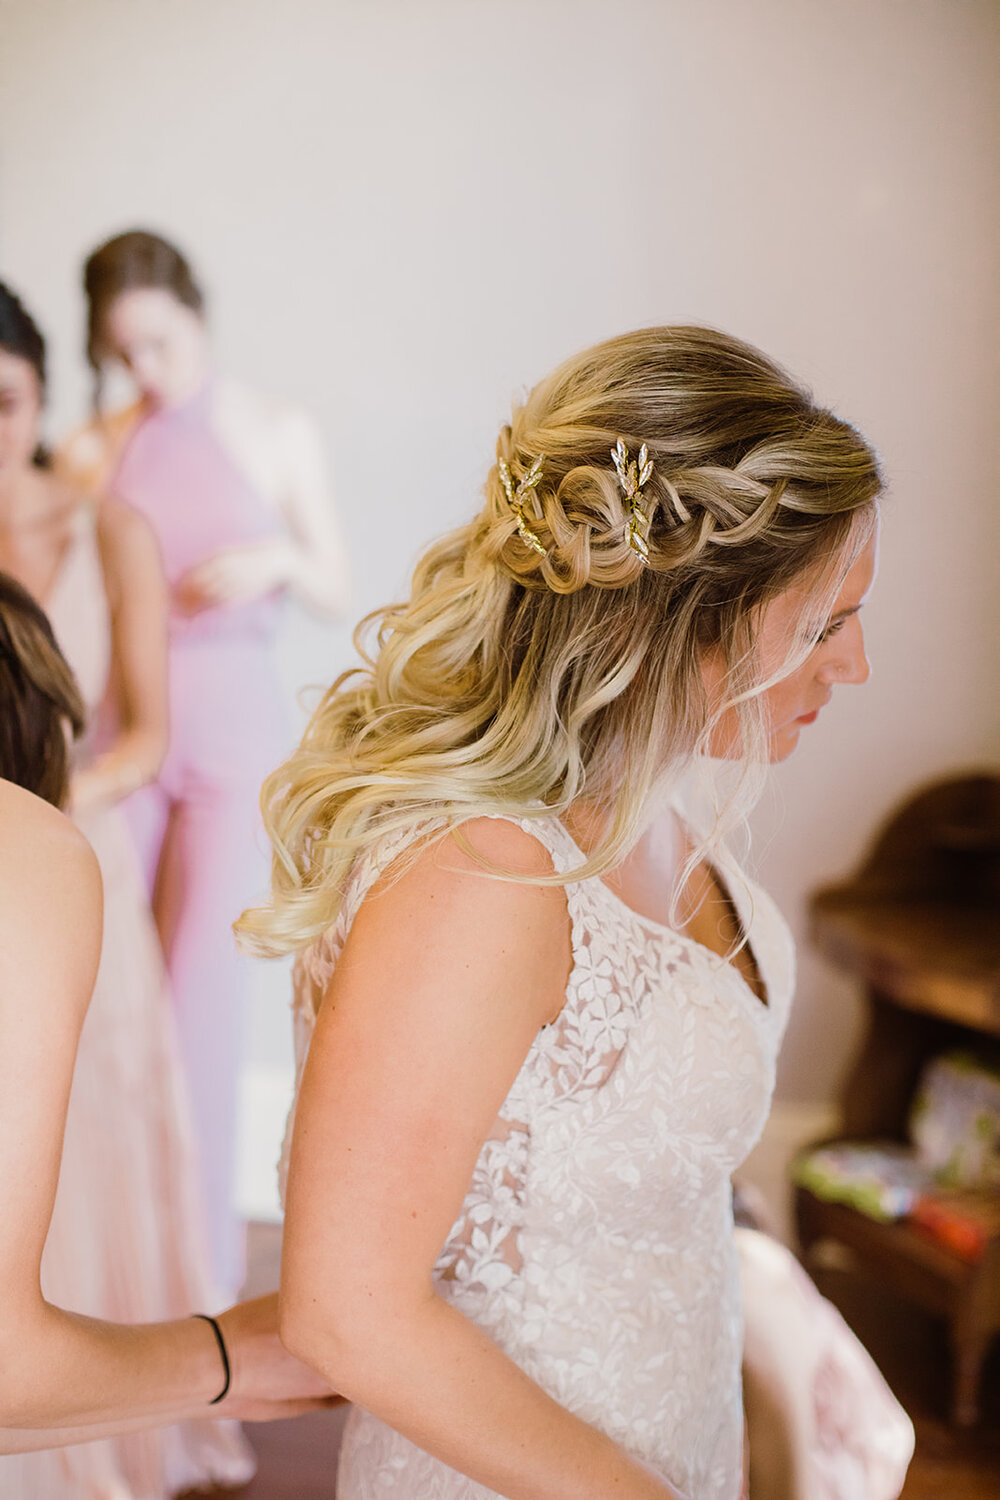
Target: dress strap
550, 833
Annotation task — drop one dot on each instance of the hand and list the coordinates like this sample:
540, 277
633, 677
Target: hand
86, 793
234, 576
267, 1382
107, 780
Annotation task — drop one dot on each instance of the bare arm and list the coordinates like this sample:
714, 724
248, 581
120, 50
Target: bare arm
137, 596
59, 1370
444, 981
310, 559
318, 568
181, 1361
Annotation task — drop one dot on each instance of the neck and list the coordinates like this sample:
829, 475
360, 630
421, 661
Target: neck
587, 823
195, 379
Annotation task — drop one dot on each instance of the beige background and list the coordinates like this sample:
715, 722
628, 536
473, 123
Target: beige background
405, 211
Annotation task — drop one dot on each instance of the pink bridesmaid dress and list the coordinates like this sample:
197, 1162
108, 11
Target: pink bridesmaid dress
198, 828
126, 1240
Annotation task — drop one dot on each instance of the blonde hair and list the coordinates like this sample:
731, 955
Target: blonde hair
520, 681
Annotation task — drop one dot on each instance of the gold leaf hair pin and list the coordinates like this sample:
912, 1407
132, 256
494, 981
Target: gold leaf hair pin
632, 475
516, 499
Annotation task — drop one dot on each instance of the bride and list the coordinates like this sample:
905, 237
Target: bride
538, 1003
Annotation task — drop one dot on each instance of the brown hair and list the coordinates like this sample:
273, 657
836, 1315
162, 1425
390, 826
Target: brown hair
523, 673
127, 262
38, 698
20, 334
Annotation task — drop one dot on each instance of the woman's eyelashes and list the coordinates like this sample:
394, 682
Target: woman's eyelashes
820, 637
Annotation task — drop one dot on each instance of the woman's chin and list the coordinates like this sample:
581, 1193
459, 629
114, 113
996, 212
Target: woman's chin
783, 742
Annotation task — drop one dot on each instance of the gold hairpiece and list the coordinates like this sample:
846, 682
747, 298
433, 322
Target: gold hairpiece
516, 499
632, 475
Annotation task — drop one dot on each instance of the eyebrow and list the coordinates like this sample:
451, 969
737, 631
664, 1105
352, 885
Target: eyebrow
845, 614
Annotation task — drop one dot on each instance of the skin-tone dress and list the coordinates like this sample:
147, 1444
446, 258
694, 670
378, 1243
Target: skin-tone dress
197, 828
126, 1241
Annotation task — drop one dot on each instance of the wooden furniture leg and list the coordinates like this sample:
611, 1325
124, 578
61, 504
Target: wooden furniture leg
969, 1348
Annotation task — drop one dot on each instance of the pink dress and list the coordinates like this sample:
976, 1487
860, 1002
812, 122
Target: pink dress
126, 1240
198, 829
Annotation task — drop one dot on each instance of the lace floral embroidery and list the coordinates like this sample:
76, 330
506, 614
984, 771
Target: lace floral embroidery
594, 1243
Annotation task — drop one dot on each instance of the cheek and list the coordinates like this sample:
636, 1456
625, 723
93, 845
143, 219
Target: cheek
20, 431
158, 369
147, 366
726, 739
784, 701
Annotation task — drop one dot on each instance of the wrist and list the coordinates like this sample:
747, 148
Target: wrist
237, 1326
222, 1353
124, 778
107, 780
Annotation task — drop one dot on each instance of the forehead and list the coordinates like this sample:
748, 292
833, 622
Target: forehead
858, 582
854, 588
141, 312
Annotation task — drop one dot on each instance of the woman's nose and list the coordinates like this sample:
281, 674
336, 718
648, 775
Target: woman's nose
848, 662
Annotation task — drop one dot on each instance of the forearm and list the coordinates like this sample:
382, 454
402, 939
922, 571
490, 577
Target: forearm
130, 763
38, 1439
439, 1380
63, 1371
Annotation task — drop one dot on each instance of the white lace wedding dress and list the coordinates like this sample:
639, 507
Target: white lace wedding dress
595, 1243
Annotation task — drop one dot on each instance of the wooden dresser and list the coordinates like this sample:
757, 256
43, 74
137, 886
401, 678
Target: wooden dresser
919, 925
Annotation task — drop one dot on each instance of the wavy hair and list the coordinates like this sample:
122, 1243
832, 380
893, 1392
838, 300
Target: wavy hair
39, 699
518, 678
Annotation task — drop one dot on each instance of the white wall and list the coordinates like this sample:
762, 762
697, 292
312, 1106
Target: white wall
404, 211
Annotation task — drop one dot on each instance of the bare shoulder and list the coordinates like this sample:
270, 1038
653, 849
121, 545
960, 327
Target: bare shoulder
235, 400
49, 874
120, 526
130, 555
247, 407
450, 901
500, 842
130, 552
51, 907
477, 856
22, 814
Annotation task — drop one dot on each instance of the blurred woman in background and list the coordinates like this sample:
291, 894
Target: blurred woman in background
127, 1240
67, 1379
234, 487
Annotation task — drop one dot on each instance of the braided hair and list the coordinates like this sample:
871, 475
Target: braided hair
554, 647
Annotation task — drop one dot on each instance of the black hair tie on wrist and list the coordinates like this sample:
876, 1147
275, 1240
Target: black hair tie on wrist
223, 1351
